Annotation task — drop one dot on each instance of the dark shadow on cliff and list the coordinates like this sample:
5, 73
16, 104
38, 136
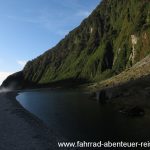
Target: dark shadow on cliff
17, 82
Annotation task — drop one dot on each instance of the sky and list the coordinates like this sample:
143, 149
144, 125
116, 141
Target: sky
30, 27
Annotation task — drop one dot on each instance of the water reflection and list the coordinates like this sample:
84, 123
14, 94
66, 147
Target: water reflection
76, 117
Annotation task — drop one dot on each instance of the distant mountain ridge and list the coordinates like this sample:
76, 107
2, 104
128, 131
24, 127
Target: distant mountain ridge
113, 38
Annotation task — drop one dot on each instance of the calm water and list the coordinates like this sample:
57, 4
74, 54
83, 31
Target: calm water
76, 117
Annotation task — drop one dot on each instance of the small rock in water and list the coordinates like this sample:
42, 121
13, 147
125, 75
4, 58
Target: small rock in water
135, 111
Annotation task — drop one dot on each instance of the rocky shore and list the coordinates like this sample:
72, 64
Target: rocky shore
130, 98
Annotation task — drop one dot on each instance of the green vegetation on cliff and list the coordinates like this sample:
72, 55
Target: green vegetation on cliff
114, 37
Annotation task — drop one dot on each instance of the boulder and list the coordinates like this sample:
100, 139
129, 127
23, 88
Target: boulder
135, 111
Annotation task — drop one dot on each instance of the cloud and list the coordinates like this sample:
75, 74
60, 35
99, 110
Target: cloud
83, 13
4, 75
22, 62
23, 19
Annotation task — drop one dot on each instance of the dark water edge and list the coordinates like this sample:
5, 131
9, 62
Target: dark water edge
72, 114
22, 130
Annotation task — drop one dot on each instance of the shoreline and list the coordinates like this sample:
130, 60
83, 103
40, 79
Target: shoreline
21, 130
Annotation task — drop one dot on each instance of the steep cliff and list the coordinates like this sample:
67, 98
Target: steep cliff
114, 37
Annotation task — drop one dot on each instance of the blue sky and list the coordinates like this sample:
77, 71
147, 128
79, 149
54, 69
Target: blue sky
30, 27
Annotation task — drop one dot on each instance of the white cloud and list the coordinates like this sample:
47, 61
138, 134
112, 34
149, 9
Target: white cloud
83, 13
4, 75
22, 62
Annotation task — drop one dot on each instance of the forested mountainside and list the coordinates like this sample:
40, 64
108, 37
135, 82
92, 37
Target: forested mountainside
114, 37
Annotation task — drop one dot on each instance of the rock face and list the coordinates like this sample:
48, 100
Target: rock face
134, 41
14, 81
107, 94
114, 37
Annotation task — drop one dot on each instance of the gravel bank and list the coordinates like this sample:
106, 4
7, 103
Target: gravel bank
20, 130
